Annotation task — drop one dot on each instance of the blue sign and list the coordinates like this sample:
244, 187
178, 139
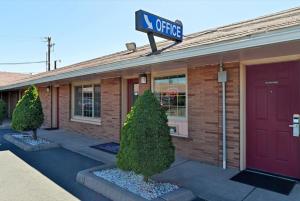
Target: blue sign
149, 23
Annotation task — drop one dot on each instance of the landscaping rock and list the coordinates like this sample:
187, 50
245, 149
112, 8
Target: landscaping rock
26, 142
117, 193
135, 183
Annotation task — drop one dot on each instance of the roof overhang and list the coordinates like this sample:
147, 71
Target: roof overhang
266, 38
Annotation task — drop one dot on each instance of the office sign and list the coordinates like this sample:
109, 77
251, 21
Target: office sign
149, 23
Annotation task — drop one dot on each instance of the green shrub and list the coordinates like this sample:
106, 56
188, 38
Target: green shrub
146, 146
2, 110
28, 114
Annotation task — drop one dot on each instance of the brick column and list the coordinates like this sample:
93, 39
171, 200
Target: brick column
45, 98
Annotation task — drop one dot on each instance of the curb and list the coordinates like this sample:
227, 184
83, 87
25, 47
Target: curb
116, 193
27, 147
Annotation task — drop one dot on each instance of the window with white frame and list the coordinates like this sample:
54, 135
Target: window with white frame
87, 101
171, 92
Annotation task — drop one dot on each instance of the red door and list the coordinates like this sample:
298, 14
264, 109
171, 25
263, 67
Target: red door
273, 96
133, 92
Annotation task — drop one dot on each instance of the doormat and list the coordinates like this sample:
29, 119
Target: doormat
265, 181
110, 147
50, 129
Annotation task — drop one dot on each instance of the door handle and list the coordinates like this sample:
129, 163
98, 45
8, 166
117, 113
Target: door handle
296, 130
295, 125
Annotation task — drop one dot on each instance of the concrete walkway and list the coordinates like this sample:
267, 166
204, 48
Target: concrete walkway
78, 143
214, 184
209, 182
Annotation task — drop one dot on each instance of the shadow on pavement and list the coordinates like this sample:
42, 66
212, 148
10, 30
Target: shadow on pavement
59, 165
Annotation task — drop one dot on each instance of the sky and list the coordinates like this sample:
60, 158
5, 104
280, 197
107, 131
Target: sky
86, 29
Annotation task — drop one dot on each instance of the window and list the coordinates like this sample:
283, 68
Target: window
171, 92
87, 101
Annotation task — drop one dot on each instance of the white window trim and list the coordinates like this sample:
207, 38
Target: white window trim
95, 121
173, 73
164, 73
82, 119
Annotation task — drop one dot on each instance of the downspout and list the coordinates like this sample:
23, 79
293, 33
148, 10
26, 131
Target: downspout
222, 77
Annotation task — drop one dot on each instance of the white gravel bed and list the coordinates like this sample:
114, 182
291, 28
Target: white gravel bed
29, 140
135, 183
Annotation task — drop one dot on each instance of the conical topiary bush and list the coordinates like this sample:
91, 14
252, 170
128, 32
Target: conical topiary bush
146, 146
28, 114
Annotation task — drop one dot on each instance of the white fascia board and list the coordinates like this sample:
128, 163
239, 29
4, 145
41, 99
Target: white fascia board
278, 36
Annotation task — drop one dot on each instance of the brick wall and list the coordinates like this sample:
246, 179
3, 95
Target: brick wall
202, 143
111, 107
46, 105
205, 115
110, 110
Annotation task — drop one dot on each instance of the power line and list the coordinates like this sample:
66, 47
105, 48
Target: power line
19, 36
23, 63
18, 39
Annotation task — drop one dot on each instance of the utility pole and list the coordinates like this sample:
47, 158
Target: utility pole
49, 46
55, 63
49, 50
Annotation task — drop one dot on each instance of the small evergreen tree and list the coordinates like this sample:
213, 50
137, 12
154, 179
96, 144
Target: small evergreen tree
146, 146
28, 114
2, 110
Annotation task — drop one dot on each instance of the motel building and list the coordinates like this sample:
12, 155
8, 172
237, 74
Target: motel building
232, 94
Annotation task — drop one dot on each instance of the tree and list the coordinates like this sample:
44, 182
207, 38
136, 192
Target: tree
2, 110
28, 114
146, 146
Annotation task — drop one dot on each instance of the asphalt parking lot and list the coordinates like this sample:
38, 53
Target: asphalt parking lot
58, 165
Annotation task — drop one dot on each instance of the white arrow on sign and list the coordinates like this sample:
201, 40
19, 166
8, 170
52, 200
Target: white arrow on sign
149, 24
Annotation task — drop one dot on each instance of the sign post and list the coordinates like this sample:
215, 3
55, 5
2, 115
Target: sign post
154, 25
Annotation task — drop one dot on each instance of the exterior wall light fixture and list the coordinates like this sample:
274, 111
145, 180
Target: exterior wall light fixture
143, 78
131, 46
